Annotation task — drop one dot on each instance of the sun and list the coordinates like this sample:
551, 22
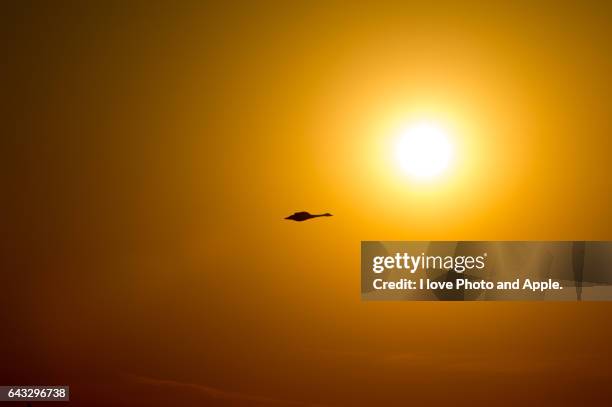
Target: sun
423, 150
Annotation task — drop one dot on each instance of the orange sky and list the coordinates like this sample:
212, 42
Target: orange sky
152, 152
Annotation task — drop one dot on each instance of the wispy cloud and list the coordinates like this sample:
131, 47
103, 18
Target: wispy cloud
216, 393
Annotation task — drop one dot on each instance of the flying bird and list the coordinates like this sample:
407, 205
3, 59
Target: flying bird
302, 216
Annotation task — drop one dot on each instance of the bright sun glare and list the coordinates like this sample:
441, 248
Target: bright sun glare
423, 150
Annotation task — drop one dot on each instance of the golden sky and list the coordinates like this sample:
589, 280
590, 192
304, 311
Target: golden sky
153, 150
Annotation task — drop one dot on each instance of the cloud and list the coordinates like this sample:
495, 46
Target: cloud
216, 393
512, 363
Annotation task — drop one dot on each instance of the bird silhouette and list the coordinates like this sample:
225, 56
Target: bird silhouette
302, 216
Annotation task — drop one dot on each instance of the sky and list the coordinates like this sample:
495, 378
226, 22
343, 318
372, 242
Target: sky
152, 149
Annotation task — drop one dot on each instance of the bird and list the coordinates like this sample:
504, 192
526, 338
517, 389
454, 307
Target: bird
302, 216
